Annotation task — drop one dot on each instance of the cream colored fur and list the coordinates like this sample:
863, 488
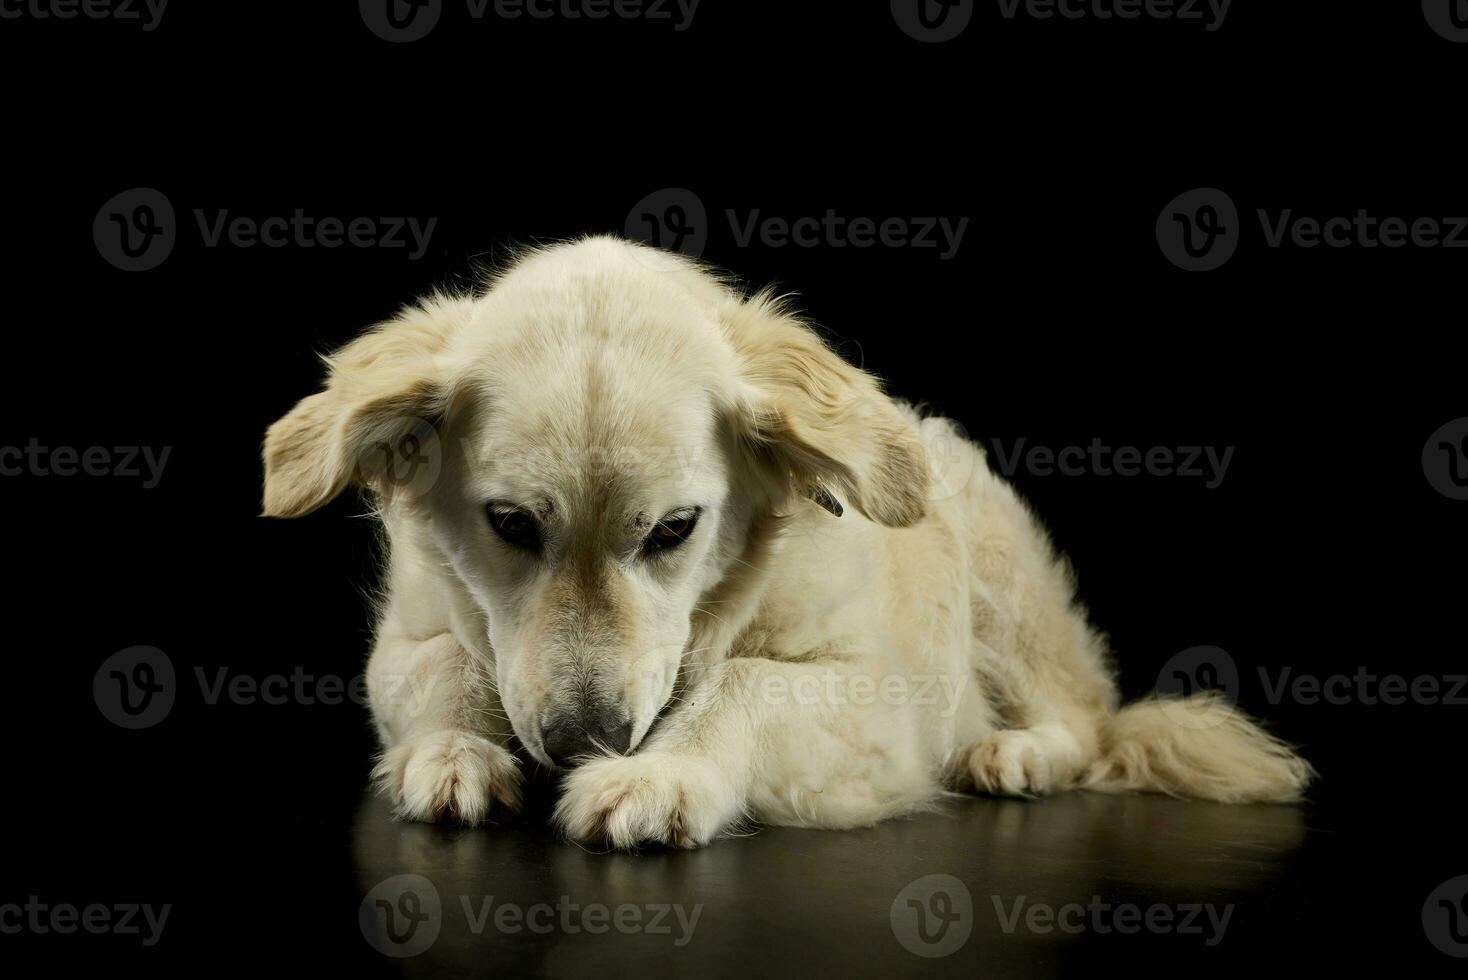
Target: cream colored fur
784, 664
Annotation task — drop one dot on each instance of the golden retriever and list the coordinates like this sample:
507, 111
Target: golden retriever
654, 528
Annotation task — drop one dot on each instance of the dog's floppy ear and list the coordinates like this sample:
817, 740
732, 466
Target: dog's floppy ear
380, 389
823, 421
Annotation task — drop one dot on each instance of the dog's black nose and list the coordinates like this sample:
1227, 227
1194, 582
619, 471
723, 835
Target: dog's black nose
570, 736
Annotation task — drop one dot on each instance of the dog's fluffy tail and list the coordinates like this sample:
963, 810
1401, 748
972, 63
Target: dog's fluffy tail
1200, 747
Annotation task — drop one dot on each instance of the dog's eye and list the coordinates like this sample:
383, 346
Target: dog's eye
671, 531
515, 526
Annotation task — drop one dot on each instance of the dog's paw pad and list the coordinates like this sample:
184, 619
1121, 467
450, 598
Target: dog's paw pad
655, 797
449, 776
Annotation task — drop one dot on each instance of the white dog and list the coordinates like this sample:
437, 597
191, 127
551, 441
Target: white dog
654, 526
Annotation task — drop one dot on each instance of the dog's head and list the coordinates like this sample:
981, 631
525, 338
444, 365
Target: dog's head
592, 447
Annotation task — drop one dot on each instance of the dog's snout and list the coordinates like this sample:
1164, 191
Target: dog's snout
568, 737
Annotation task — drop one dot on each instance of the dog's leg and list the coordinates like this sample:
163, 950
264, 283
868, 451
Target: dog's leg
810, 744
1030, 761
443, 755
1054, 695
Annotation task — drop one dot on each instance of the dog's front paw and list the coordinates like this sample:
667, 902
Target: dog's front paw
664, 797
449, 775
1012, 762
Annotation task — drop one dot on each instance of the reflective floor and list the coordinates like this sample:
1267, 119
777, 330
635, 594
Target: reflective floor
991, 888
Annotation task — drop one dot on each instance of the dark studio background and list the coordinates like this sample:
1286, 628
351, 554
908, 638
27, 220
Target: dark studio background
1325, 549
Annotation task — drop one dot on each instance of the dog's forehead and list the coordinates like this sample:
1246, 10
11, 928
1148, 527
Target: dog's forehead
609, 424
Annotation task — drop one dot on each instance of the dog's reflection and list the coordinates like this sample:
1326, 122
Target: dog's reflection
517, 897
